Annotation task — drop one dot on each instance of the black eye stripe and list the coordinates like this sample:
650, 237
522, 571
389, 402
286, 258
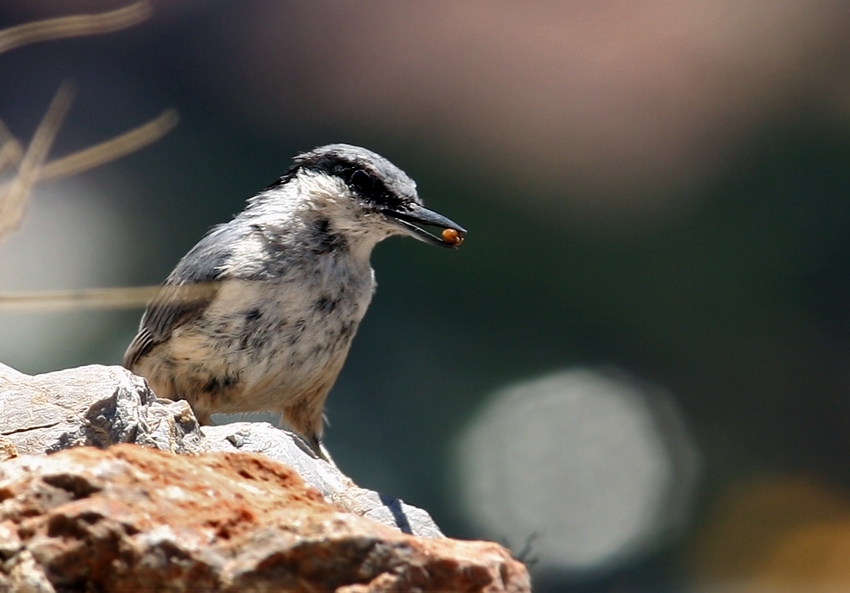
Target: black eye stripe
369, 188
363, 182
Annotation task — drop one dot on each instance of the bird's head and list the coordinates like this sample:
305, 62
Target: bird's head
358, 193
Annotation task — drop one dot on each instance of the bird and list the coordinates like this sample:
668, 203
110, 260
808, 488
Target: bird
260, 314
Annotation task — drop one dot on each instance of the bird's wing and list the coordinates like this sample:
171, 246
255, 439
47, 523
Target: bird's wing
185, 295
173, 306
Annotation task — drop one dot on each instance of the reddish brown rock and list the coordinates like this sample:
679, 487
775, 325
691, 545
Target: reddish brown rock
130, 518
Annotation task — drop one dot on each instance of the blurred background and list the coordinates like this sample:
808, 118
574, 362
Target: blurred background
635, 372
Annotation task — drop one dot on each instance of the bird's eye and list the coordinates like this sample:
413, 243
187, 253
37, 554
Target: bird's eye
361, 182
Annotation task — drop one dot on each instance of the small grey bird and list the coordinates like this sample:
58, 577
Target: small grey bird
260, 314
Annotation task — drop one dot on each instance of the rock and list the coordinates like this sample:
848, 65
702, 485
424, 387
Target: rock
132, 518
102, 406
224, 515
336, 487
92, 405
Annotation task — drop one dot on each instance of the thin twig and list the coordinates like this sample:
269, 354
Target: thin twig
109, 150
88, 298
11, 151
107, 298
13, 195
10, 154
31, 167
74, 26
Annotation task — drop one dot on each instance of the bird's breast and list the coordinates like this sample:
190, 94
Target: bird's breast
287, 331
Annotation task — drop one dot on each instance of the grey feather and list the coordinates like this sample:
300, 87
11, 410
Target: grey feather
186, 293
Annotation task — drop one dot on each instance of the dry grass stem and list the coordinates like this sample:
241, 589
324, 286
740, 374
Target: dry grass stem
11, 152
88, 298
106, 298
13, 195
74, 26
111, 149
31, 167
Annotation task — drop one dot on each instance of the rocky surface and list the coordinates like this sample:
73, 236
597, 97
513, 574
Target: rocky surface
283, 446
93, 405
135, 519
223, 508
101, 406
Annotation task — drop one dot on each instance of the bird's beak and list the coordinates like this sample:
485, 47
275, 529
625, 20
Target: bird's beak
415, 215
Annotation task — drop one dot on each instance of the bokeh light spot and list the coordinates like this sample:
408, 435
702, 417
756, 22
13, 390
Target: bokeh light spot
593, 468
